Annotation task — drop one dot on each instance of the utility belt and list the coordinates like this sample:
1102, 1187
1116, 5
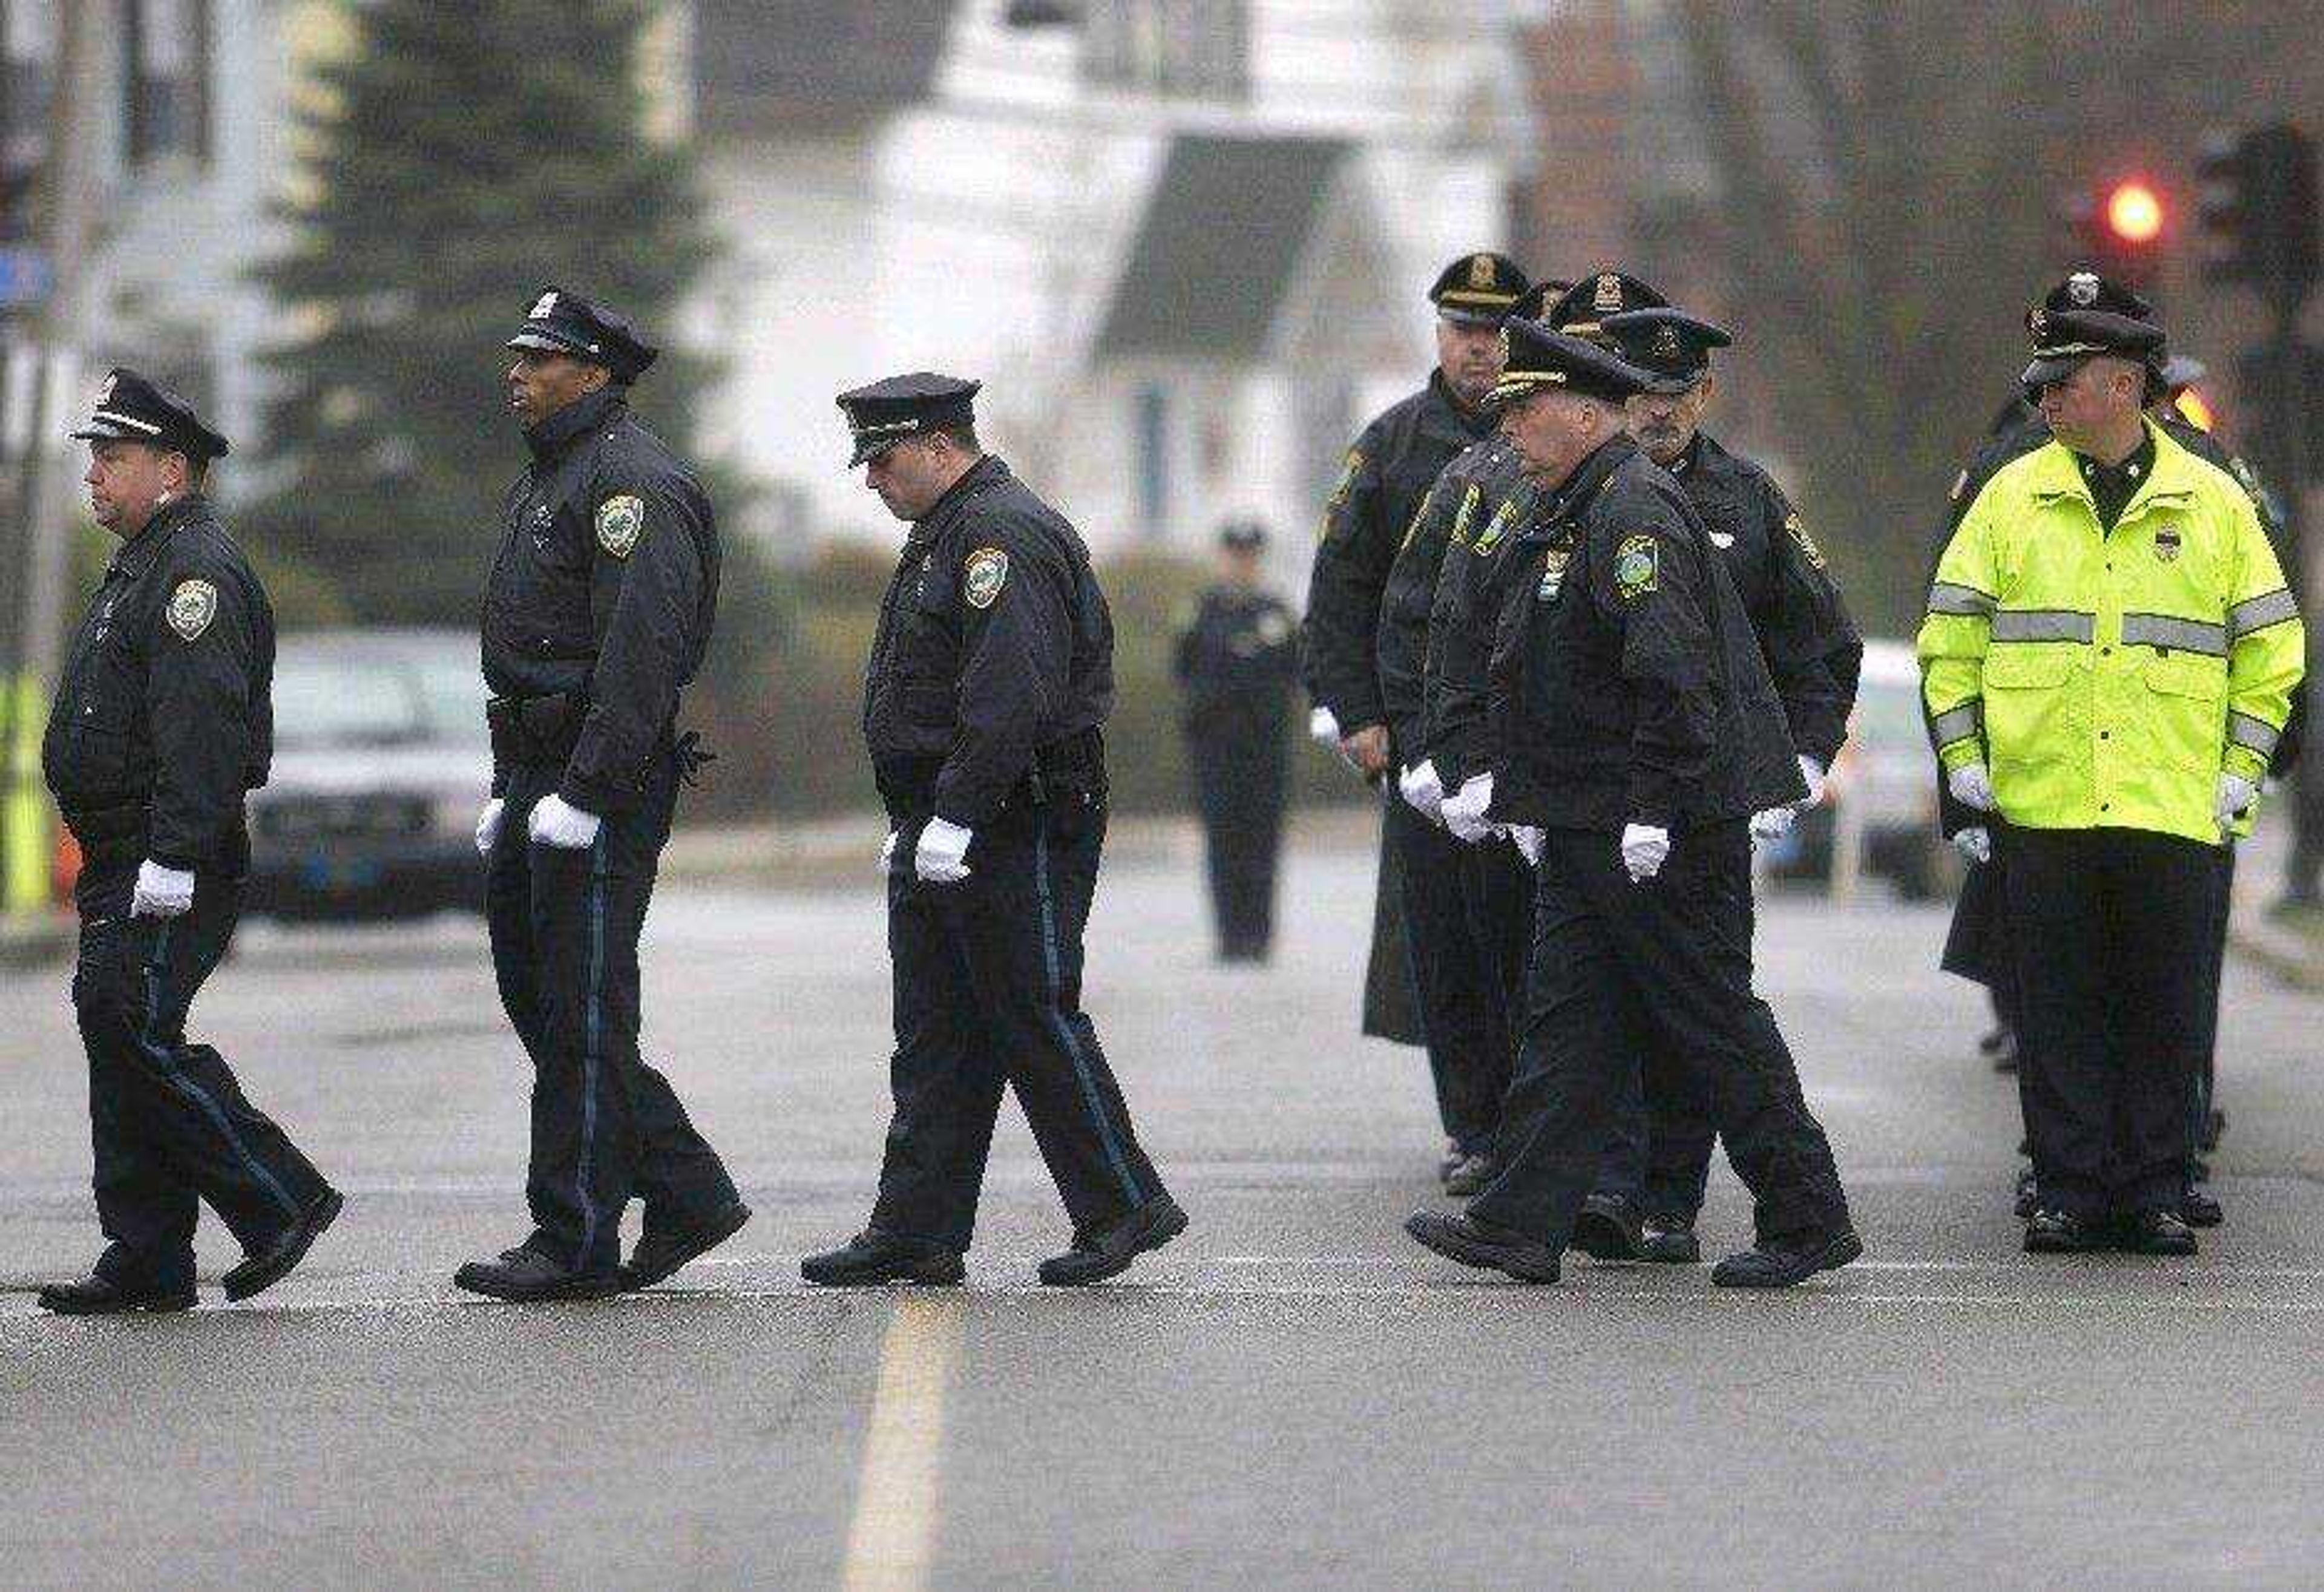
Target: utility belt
529, 730
1072, 766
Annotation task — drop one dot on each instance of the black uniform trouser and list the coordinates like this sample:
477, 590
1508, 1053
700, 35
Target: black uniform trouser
1497, 892
1619, 969
565, 925
168, 1121
2112, 929
988, 996
1464, 1026
1238, 791
2206, 1073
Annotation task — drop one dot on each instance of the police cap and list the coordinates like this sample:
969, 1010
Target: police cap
131, 409
1539, 360
1670, 345
888, 412
566, 323
1478, 289
1535, 301
2083, 317
1582, 309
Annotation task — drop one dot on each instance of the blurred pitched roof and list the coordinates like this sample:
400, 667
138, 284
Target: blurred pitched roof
813, 66
1221, 237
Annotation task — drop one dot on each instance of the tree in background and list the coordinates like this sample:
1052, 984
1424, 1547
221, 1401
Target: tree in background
468, 154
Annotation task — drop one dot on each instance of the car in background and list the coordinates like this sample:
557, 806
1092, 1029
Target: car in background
1881, 813
382, 762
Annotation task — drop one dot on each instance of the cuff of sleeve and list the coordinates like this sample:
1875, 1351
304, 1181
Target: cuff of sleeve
181, 861
588, 795
2243, 760
1652, 801
1961, 753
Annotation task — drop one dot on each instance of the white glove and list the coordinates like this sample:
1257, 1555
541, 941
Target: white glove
943, 848
1424, 791
1975, 845
1645, 849
1464, 811
887, 854
2237, 793
1972, 786
1775, 822
1812, 772
1323, 729
162, 892
488, 826
557, 822
1528, 843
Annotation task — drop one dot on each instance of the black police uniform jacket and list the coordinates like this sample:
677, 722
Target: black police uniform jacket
1457, 683
165, 702
603, 592
1477, 495
1388, 472
994, 643
1235, 662
1628, 683
1813, 652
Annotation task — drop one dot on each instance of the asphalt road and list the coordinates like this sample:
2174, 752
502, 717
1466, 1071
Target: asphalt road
1291, 1395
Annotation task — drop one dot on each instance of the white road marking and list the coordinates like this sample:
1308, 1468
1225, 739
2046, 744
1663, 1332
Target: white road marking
894, 1531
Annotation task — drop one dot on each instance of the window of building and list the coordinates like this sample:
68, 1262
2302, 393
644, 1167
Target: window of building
165, 65
1181, 48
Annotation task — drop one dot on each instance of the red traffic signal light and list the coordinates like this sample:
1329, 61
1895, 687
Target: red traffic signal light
2134, 213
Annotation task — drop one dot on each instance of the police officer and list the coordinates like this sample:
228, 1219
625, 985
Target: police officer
596, 612
1813, 656
1235, 662
1393, 464
2108, 661
1643, 734
162, 720
990, 675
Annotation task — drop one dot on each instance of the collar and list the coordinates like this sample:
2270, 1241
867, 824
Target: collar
2169, 470
136, 555
556, 434
946, 509
1590, 474
1465, 425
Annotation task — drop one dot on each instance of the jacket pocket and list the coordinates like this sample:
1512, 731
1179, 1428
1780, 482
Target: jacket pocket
2183, 710
2033, 707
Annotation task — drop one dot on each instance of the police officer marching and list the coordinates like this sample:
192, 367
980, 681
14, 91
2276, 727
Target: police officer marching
2108, 660
991, 675
1236, 660
162, 720
1641, 733
1388, 471
598, 608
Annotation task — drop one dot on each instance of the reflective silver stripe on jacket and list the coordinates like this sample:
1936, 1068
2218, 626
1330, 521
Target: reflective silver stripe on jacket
2181, 635
2043, 625
2260, 612
1944, 597
2252, 734
1960, 723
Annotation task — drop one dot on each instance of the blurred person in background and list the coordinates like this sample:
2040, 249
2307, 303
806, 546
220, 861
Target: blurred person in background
1236, 661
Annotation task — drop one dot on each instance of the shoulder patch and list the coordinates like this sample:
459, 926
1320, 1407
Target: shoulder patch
1467, 513
620, 520
1637, 564
1799, 533
983, 575
192, 607
1347, 472
1496, 527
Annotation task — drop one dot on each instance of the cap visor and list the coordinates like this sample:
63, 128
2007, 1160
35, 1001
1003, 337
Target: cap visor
106, 431
549, 343
1667, 385
2043, 372
866, 452
1473, 317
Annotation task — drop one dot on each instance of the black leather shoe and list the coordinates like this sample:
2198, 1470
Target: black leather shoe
2157, 1233
2058, 1232
2029, 1195
1607, 1227
873, 1258
1667, 1240
1470, 1176
1787, 1265
659, 1255
526, 1277
99, 1296
1107, 1251
255, 1274
2198, 1208
1484, 1246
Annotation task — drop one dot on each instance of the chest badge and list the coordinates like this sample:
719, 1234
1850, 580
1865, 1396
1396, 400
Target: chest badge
983, 575
192, 607
619, 522
2168, 544
1274, 630
1553, 574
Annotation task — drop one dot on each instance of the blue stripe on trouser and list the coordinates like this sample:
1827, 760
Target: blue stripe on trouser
150, 1044
592, 1025
1052, 1009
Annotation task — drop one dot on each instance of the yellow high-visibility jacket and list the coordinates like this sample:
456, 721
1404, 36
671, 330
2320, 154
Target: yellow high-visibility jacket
2107, 679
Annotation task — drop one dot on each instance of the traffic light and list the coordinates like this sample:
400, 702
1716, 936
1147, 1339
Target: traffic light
2258, 212
2118, 229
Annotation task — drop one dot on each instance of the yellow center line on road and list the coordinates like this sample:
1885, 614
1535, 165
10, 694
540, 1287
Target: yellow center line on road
893, 1535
